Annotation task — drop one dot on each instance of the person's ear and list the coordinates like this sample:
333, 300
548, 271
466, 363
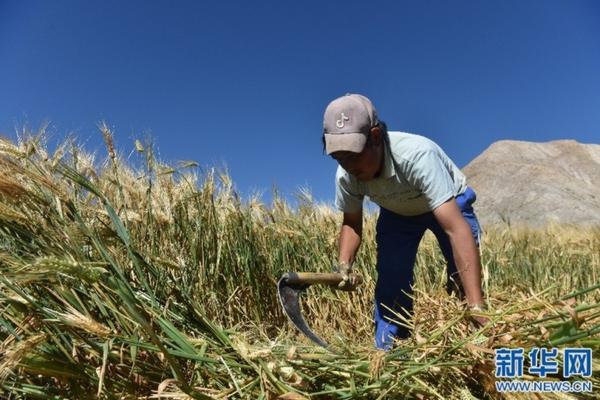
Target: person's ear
376, 135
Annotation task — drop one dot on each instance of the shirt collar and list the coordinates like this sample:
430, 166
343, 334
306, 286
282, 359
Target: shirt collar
389, 169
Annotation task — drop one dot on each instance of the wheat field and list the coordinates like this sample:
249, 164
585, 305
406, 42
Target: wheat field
126, 278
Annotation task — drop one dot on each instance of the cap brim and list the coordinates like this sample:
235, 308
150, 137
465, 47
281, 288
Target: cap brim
354, 142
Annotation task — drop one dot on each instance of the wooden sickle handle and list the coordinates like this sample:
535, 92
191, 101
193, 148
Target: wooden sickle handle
328, 278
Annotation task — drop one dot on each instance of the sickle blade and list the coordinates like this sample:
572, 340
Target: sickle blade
289, 298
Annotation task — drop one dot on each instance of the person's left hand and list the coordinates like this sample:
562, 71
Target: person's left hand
479, 320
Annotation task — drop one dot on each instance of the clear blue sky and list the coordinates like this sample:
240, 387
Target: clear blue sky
244, 84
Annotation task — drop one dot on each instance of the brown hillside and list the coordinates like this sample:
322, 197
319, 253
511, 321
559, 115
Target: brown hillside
536, 183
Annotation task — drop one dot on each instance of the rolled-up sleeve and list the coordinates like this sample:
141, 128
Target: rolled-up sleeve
347, 195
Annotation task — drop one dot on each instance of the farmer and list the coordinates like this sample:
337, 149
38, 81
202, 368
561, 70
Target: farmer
417, 188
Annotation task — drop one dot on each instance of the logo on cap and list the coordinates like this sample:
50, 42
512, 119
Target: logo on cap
341, 122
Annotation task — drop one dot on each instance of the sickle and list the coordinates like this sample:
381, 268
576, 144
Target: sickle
292, 284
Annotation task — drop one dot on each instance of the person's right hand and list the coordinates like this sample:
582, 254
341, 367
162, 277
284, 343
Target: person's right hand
348, 281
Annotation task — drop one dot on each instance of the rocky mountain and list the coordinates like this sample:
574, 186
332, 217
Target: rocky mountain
536, 183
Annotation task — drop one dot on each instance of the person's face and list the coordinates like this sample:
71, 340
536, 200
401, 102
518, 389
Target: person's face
365, 165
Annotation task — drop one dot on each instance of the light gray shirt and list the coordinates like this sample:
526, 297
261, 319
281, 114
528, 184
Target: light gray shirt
417, 177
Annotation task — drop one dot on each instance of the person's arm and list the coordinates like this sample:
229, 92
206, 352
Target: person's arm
466, 254
349, 242
350, 237
349, 200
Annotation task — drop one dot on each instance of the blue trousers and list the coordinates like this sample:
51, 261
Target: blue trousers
398, 239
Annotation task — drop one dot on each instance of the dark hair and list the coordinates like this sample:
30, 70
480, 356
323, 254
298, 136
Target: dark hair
383, 126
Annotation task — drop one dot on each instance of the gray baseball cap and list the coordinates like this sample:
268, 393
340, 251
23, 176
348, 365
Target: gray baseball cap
347, 122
